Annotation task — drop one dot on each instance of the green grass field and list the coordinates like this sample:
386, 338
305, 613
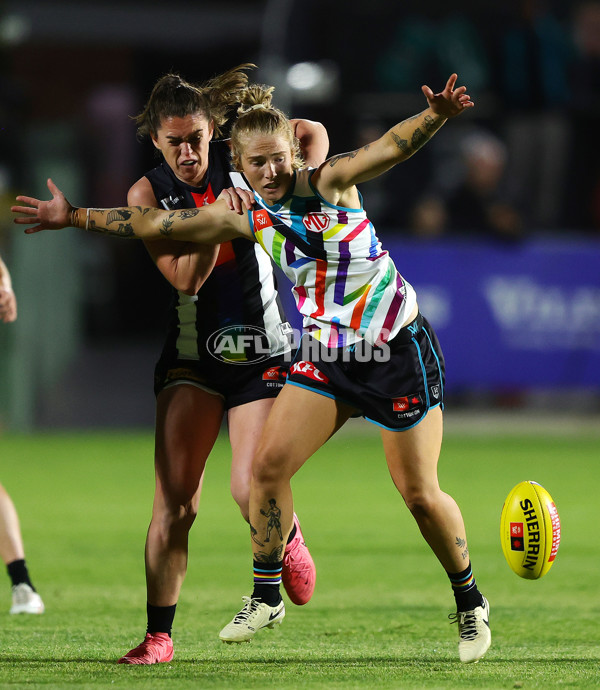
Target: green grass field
378, 616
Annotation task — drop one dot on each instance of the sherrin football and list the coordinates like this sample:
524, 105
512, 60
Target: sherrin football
529, 530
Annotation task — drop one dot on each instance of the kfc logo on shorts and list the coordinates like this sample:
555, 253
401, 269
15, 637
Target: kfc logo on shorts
317, 222
310, 370
274, 374
261, 219
405, 403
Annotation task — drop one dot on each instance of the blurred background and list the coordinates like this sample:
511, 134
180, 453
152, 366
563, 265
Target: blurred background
496, 222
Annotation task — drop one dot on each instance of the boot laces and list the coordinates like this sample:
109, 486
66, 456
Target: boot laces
248, 611
467, 624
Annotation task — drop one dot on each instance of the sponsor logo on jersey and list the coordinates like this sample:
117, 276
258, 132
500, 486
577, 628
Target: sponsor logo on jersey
309, 370
316, 221
170, 202
261, 219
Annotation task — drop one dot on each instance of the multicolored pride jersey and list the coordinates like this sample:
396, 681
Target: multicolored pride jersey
346, 286
241, 289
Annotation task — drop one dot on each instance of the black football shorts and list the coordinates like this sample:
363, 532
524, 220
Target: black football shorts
393, 385
235, 384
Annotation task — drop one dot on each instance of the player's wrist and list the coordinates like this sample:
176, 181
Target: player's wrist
75, 218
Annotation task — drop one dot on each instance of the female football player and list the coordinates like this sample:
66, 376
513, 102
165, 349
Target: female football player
366, 347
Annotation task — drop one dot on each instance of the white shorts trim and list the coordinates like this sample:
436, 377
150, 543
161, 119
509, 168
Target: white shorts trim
186, 382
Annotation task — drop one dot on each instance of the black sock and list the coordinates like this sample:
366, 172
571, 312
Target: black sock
160, 618
467, 596
267, 578
18, 573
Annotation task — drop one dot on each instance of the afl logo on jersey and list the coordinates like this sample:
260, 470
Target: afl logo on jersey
316, 221
241, 344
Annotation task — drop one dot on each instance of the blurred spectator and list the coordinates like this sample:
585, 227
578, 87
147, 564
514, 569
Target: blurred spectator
409, 58
583, 186
534, 56
468, 199
423, 50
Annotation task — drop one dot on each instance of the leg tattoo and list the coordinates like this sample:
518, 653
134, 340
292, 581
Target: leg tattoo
274, 515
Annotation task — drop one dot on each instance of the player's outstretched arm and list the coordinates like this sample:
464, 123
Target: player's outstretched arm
397, 144
207, 225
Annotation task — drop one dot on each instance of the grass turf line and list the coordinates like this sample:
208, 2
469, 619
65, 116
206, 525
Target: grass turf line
378, 616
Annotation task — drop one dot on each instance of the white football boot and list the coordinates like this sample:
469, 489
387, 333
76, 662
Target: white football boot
254, 615
474, 636
25, 600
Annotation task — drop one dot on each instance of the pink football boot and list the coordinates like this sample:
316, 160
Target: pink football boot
299, 572
156, 648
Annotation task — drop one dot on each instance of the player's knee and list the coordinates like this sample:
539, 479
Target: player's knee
177, 517
269, 467
240, 492
420, 503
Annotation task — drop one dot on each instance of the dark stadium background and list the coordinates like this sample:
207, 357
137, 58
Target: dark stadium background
71, 75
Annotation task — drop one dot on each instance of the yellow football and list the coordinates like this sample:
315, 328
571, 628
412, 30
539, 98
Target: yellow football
529, 530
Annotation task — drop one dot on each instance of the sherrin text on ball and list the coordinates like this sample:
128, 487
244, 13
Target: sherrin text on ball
529, 530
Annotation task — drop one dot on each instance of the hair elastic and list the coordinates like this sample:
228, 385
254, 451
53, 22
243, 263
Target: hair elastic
87, 218
258, 106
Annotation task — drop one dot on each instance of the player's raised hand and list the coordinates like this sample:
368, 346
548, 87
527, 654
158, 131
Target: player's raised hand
449, 102
44, 215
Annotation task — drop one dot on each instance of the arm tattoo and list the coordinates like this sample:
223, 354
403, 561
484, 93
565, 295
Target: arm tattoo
420, 135
122, 229
188, 213
336, 159
418, 139
166, 226
117, 215
429, 123
401, 143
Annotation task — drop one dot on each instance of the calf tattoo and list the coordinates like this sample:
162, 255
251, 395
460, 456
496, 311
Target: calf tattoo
253, 533
274, 556
274, 515
462, 544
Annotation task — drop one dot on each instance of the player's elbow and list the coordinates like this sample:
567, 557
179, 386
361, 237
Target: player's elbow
189, 287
